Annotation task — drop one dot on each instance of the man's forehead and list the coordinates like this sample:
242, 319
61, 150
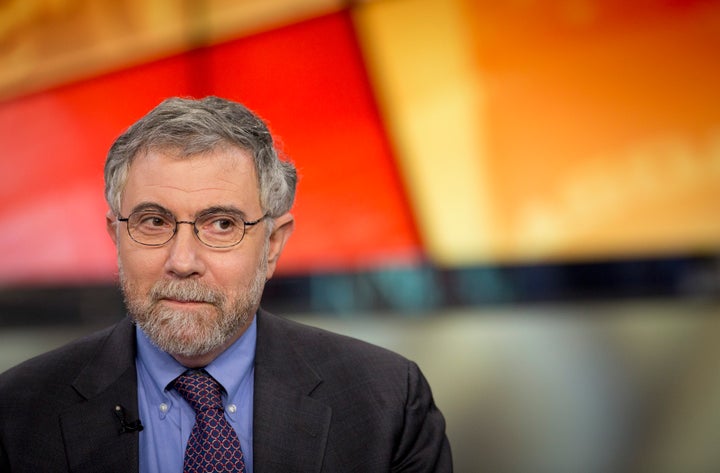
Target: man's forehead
219, 177
225, 163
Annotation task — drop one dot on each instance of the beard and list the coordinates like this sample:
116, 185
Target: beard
198, 330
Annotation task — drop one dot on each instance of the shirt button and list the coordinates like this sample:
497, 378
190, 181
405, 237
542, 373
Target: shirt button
232, 408
164, 408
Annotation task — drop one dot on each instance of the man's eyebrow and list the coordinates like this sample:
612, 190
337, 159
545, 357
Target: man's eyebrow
144, 206
222, 209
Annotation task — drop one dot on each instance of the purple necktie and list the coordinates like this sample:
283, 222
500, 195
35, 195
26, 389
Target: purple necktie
213, 445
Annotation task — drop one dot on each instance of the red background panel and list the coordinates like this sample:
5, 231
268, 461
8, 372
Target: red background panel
306, 79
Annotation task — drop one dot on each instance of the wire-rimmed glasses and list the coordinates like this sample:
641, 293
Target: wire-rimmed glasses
214, 228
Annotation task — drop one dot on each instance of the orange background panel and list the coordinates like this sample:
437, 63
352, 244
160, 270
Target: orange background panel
307, 80
603, 125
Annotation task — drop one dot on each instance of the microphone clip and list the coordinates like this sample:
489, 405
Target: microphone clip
125, 425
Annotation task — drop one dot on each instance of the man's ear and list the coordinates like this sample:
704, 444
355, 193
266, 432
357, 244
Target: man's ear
283, 228
111, 226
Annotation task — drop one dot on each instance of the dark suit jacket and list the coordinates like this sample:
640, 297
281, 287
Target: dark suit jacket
323, 403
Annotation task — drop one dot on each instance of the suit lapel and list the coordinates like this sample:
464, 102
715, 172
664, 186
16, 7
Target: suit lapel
290, 428
92, 429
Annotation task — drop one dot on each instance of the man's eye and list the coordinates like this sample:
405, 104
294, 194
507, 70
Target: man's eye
153, 221
223, 224
218, 224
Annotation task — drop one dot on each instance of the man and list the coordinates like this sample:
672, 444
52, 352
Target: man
199, 378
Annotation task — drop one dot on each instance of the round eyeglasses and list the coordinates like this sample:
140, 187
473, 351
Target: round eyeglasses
213, 229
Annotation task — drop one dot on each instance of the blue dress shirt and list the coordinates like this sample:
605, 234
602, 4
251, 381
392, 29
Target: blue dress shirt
168, 418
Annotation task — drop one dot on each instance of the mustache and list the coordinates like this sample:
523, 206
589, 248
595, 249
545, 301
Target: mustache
186, 291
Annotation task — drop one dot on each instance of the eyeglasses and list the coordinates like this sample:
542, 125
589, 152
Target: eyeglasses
213, 229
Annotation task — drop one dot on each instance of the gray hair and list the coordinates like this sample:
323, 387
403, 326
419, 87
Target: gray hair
188, 127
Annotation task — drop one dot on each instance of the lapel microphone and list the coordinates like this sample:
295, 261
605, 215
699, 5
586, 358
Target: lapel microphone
125, 425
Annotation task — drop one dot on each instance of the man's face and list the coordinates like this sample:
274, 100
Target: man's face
192, 300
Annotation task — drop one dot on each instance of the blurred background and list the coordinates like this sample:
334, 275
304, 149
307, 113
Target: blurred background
523, 196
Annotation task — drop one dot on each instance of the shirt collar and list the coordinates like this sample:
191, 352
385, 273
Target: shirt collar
229, 369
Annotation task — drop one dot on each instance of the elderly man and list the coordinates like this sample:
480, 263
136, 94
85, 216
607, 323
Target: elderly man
198, 378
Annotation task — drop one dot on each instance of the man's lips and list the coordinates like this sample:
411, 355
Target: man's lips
182, 302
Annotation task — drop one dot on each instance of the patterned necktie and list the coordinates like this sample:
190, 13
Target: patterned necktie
213, 445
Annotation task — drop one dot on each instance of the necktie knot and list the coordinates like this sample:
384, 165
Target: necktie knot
200, 390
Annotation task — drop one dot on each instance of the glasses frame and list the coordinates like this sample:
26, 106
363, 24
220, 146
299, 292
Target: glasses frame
195, 230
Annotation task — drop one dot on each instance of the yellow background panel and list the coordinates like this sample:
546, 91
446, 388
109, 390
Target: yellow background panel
421, 63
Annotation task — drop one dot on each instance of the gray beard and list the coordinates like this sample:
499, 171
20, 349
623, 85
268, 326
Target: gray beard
195, 332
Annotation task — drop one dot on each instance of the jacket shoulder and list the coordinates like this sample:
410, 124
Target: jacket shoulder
56, 367
338, 360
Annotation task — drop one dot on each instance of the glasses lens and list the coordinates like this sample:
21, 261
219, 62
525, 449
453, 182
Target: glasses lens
151, 227
220, 230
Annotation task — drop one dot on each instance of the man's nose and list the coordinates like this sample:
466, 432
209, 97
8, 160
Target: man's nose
184, 259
